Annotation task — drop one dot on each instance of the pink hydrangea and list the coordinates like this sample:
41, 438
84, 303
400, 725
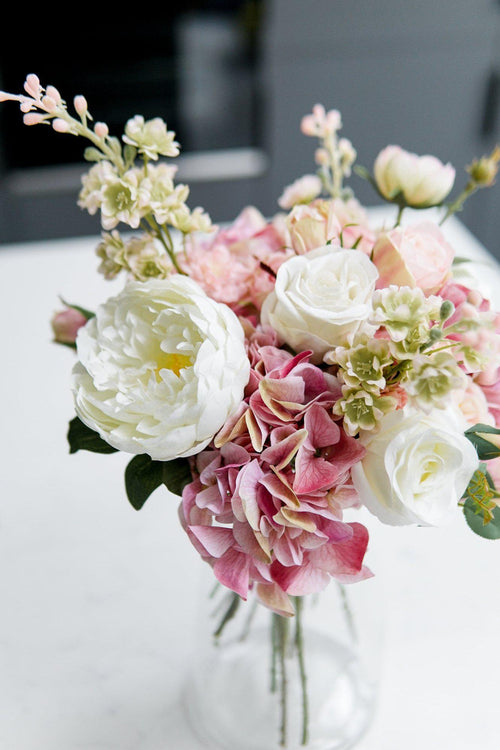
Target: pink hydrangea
265, 506
237, 264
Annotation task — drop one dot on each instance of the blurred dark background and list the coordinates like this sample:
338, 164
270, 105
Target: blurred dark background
233, 78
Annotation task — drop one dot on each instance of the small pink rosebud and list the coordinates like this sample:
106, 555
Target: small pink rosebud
66, 324
101, 129
61, 126
80, 104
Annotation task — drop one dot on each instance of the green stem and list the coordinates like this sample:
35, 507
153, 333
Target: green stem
274, 651
400, 215
457, 205
299, 642
283, 627
229, 614
162, 233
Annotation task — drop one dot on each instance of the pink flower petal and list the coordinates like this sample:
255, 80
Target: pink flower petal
273, 597
343, 560
215, 540
233, 571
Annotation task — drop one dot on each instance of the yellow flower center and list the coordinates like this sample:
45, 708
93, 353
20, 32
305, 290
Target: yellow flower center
174, 362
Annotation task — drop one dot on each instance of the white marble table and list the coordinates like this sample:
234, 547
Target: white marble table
98, 601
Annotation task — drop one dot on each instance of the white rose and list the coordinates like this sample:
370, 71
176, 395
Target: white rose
416, 467
321, 299
161, 366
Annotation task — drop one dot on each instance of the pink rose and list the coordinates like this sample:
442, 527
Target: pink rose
415, 256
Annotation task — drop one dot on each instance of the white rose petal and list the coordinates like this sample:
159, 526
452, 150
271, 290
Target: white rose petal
416, 467
161, 367
321, 299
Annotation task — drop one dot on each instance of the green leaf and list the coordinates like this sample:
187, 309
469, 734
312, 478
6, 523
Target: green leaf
176, 475
81, 437
143, 476
86, 313
475, 520
485, 448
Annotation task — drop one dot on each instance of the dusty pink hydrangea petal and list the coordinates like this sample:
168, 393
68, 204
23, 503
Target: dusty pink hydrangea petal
215, 539
326, 454
344, 560
278, 486
253, 543
280, 454
233, 571
272, 596
299, 580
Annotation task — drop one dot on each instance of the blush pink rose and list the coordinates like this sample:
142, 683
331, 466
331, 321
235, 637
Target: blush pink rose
417, 256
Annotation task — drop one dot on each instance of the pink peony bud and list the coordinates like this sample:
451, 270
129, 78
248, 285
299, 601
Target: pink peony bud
65, 325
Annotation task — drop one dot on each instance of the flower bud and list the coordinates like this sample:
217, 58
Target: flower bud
65, 325
49, 104
80, 105
33, 118
101, 129
61, 126
418, 181
484, 170
447, 310
54, 94
32, 86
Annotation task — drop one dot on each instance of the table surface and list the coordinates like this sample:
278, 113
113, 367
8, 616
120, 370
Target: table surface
99, 601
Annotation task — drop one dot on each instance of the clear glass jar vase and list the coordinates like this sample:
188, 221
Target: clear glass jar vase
262, 681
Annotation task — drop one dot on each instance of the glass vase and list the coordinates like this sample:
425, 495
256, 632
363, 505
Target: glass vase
262, 681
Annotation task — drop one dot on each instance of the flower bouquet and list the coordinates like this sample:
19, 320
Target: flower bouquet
280, 374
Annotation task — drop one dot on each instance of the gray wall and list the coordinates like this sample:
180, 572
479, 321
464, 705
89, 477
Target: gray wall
412, 73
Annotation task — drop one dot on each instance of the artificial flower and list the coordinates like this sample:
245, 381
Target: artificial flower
160, 368
321, 299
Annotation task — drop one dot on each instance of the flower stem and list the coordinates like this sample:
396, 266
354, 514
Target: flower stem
299, 642
399, 216
282, 633
229, 614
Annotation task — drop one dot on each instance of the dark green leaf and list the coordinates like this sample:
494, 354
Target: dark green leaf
176, 474
81, 437
142, 477
490, 530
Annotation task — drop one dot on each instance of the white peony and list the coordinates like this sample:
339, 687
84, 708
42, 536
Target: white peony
161, 366
321, 299
416, 467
